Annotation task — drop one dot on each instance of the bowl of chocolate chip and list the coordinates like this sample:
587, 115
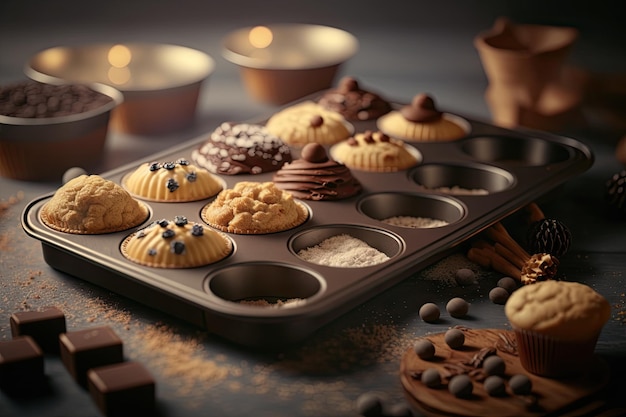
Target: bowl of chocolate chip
47, 128
281, 62
161, 83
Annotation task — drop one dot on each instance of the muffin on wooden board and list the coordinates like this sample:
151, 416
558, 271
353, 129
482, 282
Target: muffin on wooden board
557, 324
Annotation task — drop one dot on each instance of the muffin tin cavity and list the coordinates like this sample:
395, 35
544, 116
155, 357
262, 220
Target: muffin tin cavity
264, 284
382, 206
516, 150
457, 179
378, 239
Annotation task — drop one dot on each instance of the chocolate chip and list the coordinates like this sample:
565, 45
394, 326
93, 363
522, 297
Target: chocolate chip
314, 152
316, 121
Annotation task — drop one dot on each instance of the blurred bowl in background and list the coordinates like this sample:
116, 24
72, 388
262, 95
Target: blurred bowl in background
42, 147
282, 62
161, 83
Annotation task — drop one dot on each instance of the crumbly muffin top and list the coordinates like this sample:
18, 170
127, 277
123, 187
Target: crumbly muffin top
90, 204
254, 208
566, 310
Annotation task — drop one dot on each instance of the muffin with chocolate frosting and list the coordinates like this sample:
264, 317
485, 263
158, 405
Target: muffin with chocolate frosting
422, 121
317, 177
353, 102
242, 148
375, 151
309, 122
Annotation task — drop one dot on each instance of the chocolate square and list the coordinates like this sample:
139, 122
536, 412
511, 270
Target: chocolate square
85, 349
21, 365
43, 325
123, 389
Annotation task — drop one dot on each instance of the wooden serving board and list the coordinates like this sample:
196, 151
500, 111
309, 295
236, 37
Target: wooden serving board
549, 396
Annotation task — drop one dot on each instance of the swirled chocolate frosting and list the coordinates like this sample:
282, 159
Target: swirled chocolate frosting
315, 176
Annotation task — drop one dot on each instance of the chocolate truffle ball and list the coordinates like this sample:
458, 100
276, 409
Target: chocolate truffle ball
431, 378
369, 404
429, 312
494, 386
461, 386
508, 284
465, 276
520, 384
454, 338
494, 365
457, 307
424, 348
498, 295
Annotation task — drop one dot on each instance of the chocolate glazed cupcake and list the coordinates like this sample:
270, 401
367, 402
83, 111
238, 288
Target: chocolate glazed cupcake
316, 177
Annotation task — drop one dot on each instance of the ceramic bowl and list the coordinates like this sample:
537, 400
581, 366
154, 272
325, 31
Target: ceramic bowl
161, 83
43, 148
282, 62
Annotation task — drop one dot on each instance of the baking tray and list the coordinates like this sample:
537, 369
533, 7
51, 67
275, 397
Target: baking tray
515, 166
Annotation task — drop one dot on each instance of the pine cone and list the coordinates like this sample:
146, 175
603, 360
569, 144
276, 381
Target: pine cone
540, 267
615, 195
548, 236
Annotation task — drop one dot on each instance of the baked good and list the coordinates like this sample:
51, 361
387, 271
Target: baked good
254, 208
374, 151
242, 149
317, 177
176, 244
556, 324
308, 122
422, 121
90, 204
177, 181
354, 103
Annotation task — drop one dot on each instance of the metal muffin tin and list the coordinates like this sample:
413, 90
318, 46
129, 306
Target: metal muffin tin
515, 166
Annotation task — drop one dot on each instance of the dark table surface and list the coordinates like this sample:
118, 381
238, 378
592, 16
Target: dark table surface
200, 374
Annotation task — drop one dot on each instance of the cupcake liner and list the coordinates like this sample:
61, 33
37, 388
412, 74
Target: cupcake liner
552, 357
